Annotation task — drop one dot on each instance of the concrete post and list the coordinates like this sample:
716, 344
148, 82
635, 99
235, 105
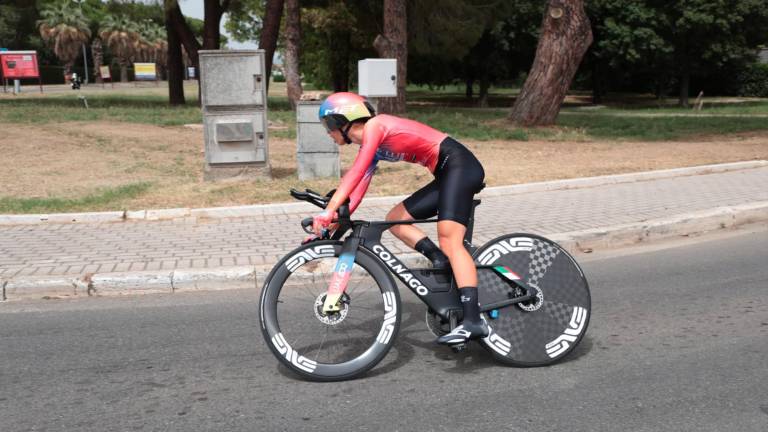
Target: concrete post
317, 155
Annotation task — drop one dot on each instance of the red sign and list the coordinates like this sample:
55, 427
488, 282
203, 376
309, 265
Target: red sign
19, 64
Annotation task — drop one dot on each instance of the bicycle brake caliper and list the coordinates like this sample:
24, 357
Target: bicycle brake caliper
341, 274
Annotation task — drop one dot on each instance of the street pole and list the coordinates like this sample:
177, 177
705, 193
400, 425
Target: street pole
85, 59
85, 63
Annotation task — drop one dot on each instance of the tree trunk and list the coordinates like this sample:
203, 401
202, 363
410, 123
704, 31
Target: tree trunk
174, 64
597, 82
485, 84
97, 51
123, 69
393, 43
469, 91
269, 31
213, 10
685, 84
175, 21
660, 87
292, 45
565, 37
339, 60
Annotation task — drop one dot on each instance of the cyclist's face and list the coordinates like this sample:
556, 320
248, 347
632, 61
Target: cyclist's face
337, 137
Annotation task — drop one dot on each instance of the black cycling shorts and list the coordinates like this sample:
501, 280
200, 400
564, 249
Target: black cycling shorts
458, 177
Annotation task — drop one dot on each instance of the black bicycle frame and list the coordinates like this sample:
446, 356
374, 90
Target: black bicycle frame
435, 287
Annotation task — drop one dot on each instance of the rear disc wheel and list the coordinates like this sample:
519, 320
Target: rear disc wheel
546, 329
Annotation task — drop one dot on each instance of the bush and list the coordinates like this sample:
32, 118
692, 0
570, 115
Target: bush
753, 81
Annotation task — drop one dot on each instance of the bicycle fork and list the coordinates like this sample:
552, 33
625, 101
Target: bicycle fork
341, 275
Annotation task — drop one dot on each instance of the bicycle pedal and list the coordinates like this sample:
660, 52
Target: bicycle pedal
458, 348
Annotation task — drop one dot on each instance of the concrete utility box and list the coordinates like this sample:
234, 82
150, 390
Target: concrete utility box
317, 155
377, 77
234, 103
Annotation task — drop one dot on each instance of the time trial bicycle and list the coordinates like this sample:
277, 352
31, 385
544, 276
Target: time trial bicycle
330, 309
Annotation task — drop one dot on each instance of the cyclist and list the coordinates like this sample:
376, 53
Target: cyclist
349, 118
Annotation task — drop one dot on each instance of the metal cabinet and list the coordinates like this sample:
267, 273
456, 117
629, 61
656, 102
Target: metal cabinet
234, 104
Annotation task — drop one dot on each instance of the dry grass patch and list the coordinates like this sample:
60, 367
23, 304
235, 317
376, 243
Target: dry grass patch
71, 160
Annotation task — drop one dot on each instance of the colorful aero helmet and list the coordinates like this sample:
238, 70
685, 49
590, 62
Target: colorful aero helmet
341, 109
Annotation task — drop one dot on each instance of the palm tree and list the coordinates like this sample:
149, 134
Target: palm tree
66, 29
152, 44
121, 35
160, 47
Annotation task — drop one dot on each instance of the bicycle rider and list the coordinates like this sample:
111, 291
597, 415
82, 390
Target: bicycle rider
349, 118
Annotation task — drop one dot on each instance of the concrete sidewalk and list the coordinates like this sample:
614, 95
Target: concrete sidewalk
235, 247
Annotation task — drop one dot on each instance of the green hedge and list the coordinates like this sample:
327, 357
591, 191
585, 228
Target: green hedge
753, 81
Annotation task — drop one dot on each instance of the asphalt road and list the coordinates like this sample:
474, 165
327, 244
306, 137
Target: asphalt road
678, 341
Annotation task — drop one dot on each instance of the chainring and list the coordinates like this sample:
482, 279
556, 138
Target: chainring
435, 324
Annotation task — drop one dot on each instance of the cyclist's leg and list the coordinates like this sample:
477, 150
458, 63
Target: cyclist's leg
421, 205
414, 237
451, 236
408, 234
461, 176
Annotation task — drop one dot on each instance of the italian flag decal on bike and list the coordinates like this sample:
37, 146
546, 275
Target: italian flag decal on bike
339, 281
507, 273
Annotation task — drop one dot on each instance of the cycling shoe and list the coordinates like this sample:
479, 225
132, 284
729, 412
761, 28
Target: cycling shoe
465, 332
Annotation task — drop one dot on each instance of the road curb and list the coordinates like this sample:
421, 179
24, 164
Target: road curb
301, 207
182, 280
657, 229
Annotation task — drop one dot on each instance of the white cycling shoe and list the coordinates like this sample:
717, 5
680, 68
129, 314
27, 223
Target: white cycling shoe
465, 332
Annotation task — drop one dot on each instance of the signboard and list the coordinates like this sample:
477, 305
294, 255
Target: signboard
191, 72
104, 72
145, 71
19, 64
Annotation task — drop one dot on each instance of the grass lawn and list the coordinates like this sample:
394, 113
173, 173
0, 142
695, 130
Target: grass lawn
59, 156
443, 109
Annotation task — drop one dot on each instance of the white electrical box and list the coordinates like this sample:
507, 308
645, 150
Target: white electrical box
377, 77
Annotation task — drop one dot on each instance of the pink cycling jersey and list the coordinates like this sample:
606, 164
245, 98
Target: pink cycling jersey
391, 139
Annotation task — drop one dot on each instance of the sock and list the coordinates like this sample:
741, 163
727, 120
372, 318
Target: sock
470, 304
431, 251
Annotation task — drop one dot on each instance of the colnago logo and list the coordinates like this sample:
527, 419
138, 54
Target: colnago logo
291, 355
400, 270
504, 247
390, 315
305, 255
575, 327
